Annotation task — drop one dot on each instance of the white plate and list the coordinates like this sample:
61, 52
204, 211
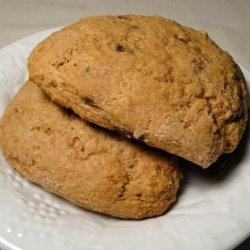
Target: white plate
212, 211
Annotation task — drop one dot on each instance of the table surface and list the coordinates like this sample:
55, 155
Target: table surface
226, 21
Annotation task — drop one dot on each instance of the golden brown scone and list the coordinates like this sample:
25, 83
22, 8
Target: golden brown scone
86, 165
148, 78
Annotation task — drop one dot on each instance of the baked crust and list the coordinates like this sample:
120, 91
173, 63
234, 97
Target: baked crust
90, 167
149, 78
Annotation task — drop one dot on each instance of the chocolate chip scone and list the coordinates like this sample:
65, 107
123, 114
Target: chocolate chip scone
149, 78
86, 165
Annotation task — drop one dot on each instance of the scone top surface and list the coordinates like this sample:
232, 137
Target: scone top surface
150, 78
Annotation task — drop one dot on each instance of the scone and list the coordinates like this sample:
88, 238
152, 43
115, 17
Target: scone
88, 166
148, 78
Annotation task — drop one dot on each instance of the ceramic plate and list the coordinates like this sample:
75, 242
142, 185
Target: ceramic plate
212, 211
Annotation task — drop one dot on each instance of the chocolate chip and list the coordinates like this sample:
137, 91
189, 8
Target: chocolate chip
134, 27
90, 102
87, 69
122, 17
119, 47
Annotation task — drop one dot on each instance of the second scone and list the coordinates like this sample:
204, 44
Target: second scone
148, 78
86, 165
